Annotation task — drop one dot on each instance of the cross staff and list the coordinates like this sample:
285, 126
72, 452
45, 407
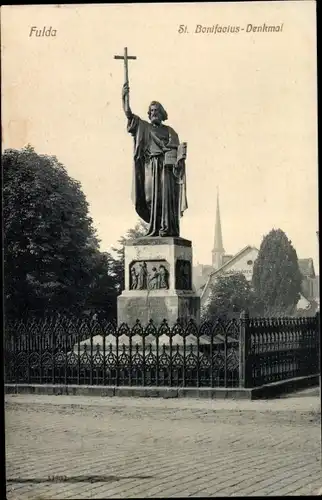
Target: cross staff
126, 68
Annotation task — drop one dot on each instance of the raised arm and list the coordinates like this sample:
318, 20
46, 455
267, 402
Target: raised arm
126, 101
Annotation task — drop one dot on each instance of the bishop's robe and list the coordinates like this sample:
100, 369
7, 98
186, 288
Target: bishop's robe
159, 181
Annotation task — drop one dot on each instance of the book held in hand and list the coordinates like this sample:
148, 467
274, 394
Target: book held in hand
174, 155
182, 151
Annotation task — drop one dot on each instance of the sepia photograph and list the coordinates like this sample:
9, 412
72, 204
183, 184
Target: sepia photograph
161, 333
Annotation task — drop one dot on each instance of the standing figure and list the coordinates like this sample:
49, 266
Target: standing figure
159, 181
134, 279
142, 277
154, 279
164, 277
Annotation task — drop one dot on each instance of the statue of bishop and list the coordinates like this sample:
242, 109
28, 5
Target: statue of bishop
159, 180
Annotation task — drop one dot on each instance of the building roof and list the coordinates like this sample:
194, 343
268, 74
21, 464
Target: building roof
226, 258
226, 264
307, 267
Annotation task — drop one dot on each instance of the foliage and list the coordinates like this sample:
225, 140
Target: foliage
229, 296
276, 277
139, 230
102, 292
50, 246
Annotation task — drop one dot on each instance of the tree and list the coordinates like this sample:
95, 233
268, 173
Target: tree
102, 291
276, 277
229, 296
139, 230
50, 245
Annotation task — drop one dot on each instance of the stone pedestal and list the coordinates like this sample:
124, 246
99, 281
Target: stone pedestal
158, 282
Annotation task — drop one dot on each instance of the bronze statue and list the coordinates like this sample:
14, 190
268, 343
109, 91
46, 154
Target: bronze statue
159, 187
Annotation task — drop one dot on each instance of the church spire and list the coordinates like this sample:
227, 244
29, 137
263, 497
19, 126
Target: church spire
218, 250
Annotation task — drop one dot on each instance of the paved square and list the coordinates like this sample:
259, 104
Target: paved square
88, 447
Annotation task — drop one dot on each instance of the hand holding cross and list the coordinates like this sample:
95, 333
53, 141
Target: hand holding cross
126, 57
125, 93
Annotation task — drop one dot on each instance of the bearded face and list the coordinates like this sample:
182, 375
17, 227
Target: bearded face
155, 114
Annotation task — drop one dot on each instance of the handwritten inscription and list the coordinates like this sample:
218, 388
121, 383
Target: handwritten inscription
41, 32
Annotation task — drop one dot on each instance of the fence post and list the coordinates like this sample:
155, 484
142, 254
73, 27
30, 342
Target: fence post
318, 339
243, 349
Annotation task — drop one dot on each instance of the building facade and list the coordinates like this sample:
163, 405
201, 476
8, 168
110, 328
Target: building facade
204, 276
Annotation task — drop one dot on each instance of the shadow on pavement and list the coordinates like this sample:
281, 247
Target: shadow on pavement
311, 391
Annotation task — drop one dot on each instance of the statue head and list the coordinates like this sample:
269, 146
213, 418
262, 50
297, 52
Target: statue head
156, 113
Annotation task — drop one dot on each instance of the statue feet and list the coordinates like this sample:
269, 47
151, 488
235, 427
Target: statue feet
161, 233
165, 233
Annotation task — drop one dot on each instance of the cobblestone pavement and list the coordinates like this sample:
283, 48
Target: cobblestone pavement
88, 447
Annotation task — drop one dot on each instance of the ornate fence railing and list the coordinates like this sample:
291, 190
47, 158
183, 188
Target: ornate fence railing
245, 352
281, 348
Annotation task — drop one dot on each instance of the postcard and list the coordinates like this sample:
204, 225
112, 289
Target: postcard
161, 238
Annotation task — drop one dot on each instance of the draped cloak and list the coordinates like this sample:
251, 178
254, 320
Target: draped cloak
159, 186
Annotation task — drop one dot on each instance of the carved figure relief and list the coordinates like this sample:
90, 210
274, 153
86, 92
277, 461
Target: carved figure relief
183, 275
134, 279
153, 279
142, 276
151, 275
163, 277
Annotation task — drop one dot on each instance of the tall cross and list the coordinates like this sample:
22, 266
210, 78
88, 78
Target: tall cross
126, 68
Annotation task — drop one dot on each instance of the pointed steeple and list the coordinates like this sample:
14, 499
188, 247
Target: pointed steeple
218, 250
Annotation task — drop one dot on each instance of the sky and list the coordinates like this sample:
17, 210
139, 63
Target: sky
246, 104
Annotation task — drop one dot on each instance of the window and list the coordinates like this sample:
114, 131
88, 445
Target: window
249, 262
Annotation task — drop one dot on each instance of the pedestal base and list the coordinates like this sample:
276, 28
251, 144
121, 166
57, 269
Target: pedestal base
157, 305
158, 282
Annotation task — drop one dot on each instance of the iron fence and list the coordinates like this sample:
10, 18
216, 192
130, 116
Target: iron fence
243, 352
281, 348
